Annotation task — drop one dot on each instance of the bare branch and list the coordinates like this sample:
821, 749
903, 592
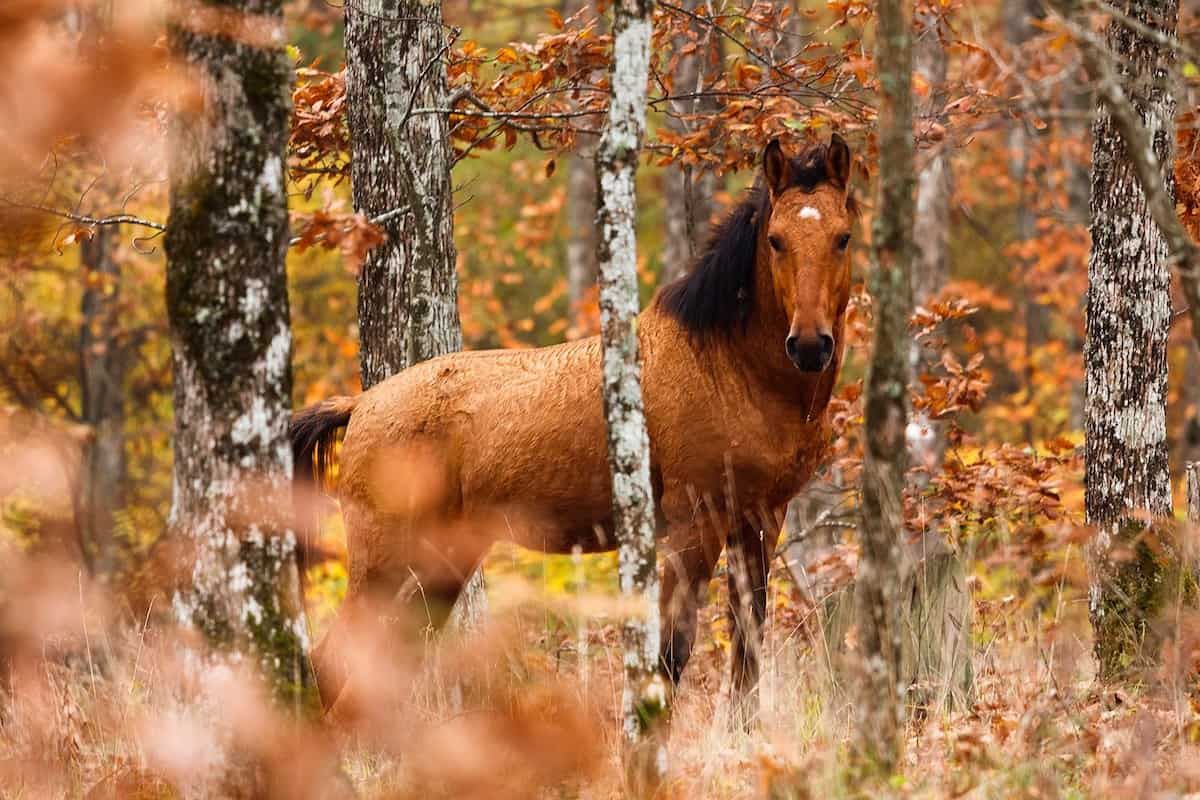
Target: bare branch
83, 219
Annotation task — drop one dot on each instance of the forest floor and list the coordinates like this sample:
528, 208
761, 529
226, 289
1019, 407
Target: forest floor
528, 709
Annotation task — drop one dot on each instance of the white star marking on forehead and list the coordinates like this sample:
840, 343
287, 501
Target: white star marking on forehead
808, 212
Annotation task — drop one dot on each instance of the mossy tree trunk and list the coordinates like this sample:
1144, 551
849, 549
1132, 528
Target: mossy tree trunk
400, 175
1128, 322
227, 303
878, 707
644, 694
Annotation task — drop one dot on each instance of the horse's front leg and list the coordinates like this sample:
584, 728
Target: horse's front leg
751, 550
691, 554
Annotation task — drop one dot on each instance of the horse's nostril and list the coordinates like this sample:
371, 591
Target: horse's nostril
792, 346
825, 342
812, 353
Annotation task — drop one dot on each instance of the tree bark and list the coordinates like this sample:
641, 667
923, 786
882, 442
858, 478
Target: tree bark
687, 192
581, 207
1129, 315
644, 695
878, 709
227, 303
102, 362
408, 288
400, 167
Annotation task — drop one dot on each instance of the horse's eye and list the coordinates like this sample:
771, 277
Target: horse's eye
843, 241
776, 243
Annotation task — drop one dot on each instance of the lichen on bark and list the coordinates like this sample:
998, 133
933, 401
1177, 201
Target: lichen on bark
1125, 355
227, 304
644, 697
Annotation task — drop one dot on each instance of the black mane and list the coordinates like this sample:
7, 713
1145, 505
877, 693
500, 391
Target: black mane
716, 296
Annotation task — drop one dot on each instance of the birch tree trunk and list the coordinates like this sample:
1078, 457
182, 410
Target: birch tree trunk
879, 705
400, 175
687, 193
644, 695
1129, 315
581, 205
227, 303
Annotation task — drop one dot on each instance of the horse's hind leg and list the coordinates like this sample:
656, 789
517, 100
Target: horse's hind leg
751, 550
691, 556
402, 588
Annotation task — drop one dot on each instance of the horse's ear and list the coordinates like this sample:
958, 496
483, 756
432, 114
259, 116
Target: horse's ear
837, 161
775, 167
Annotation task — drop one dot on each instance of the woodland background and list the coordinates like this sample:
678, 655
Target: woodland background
98, 703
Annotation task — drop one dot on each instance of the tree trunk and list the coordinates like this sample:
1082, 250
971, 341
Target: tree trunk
1018, 28
688, 193
408, 288
878, 708
1192, 472
927, 441
102, 381
935, 661
1129, 315
227, 303
644, 695
400, 172
581, 208
102, 362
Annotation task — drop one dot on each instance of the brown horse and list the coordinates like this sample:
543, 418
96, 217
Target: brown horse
739, 359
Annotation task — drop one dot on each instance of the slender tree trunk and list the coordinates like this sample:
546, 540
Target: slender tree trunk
644, 696
1192, 472
1129, 315
227, 303
927, 442
935, 664
879, 706
102, 378
102, 362
688, 193
1018, 27
581, 207
400, 171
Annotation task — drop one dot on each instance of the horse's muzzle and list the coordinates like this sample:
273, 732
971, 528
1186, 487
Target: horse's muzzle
810, 353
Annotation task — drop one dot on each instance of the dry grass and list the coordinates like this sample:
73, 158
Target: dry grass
105, 704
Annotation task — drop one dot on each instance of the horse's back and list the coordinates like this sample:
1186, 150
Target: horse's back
514, 430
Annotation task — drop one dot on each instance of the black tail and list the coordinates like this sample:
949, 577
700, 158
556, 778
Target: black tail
313, 432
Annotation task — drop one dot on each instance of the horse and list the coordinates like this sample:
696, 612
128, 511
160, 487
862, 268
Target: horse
739, 358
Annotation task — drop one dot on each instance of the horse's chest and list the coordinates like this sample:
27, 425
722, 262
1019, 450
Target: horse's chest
772, 459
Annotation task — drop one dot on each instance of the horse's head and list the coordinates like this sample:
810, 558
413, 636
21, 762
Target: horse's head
806, 237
